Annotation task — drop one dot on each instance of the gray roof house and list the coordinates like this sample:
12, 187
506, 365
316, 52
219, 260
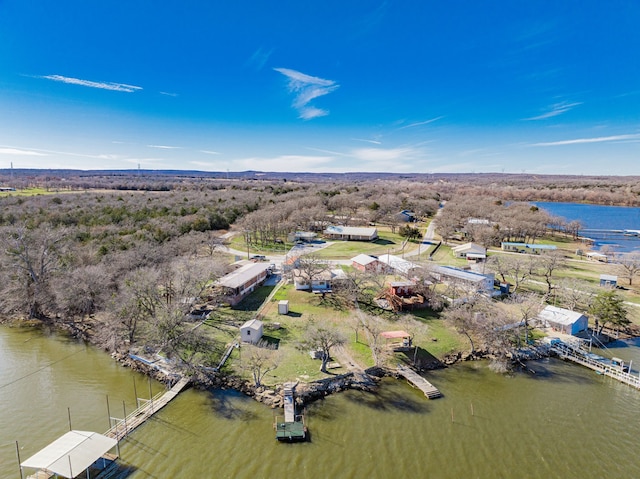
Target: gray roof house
564, 320
351, 233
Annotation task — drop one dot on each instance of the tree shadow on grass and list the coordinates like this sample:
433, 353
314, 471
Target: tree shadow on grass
270, 342
383, 242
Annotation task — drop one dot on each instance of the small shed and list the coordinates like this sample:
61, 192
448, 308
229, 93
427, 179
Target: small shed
283, 306
251, 331
564, 320
608, 280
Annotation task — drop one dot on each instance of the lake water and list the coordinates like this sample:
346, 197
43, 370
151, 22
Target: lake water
600, 223
563, 422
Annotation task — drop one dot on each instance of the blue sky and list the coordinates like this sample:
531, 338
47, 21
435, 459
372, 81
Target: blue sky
333, 86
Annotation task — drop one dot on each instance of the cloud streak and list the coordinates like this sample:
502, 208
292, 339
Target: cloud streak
93, 84
420, 123
20, 152
580, 141
555, 110
165, 147
306, 88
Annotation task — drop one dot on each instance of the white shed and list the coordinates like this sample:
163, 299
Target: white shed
564, 320
283, 306
251, 331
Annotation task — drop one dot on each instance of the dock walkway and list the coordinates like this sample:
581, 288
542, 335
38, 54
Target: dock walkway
125, 426
577, 355
419, 382
289, 406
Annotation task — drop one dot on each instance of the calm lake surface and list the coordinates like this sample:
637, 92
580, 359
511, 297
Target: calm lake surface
563, 422
599, 223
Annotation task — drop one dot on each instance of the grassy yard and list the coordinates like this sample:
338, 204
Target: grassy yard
387, 242
287, 332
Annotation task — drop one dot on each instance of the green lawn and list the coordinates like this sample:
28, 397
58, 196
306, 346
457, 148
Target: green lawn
386, 243
36, 191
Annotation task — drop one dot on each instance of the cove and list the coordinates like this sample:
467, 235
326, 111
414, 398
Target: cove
564, 421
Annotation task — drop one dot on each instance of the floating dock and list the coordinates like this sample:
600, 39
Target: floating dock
293, 428
419, 382
597, 363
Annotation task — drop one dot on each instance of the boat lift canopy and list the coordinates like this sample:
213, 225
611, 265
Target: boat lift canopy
71, 454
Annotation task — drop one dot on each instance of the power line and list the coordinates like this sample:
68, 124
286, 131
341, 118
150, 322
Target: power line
39, 370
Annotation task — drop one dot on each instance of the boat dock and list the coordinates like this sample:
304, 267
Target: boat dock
429, 390
75, 447
123, 427
293, 427
597, 363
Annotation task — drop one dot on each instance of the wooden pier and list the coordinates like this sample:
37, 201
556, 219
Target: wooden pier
123, 427
293, 428
419, 382
577, 355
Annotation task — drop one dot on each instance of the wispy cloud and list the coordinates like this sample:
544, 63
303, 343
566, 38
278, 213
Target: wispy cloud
306, 88
165, 147
383, 154
284, 163
209, 152
599, 139
20, 152
555, 110
420, 123
166, 93
374, 142
93, 84
259, 58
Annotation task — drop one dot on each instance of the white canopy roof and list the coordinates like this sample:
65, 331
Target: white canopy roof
72, 453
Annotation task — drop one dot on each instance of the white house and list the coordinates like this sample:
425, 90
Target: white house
321, 283
351, 233
398, 265
563, 320
251, 331
482, 283
470, 251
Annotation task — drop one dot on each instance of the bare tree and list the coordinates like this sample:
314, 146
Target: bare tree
574, 293
628, 266
260, 359
31, 257
311, 268
517, 268
526, 307
547, 264
321, 338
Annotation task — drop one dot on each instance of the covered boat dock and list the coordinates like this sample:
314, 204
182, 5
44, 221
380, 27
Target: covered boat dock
75, 454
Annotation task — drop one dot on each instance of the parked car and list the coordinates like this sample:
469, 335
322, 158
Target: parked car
258, 257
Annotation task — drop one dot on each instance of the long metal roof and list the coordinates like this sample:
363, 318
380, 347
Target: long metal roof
243, 274
71, 454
